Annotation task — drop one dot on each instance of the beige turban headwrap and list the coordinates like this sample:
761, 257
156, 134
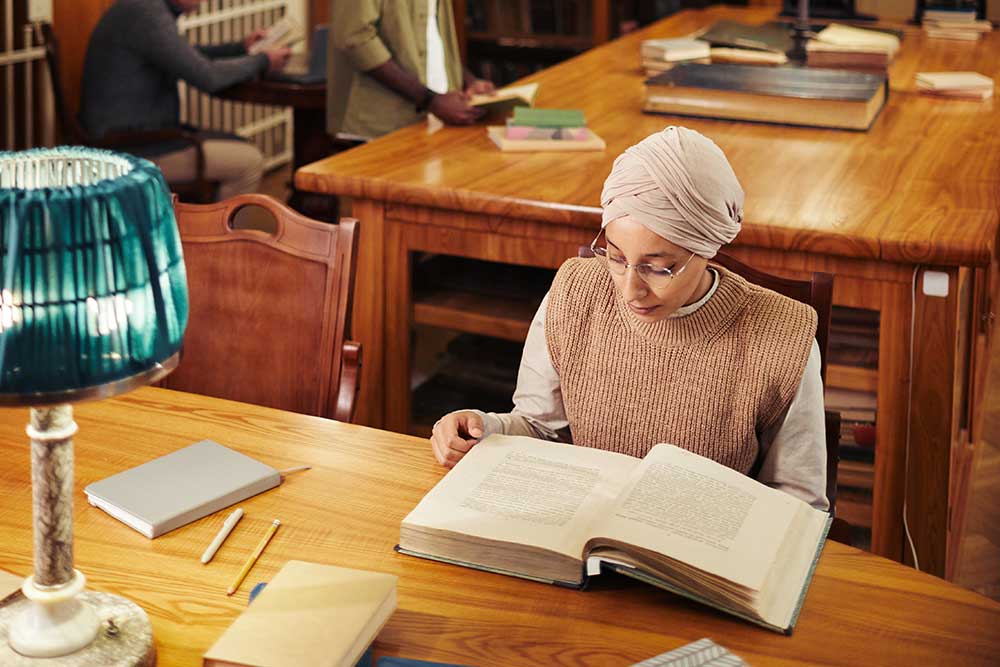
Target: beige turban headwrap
678, 184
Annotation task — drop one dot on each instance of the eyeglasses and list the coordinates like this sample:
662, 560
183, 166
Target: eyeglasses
654, 276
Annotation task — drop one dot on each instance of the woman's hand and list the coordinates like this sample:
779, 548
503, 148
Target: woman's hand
454, 435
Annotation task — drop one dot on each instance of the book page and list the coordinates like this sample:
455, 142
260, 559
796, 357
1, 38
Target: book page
700, 512
526, 491
524, 92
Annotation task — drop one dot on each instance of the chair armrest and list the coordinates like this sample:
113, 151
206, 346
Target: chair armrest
133, 138
350, 381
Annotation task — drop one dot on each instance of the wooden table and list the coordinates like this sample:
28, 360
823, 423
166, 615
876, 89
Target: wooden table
860, 610
880, 209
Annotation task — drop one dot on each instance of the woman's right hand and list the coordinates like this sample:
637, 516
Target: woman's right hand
454, 435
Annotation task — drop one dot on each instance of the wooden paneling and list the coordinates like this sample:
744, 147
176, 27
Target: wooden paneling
860, 609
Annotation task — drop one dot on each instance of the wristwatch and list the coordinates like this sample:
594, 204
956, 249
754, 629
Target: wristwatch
425, 102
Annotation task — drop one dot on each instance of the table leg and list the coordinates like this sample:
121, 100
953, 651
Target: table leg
939, 382
368, 317
890, 423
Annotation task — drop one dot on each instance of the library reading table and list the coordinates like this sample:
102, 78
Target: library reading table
860, 610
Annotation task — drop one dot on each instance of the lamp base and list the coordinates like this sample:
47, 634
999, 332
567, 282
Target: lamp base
125, 638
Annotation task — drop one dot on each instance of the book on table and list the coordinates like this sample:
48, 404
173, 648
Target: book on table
789, 95
846, 46
180, 487
308, 614
558, 513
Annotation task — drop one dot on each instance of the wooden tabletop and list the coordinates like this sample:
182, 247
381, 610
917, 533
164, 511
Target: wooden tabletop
921, 186
860, 609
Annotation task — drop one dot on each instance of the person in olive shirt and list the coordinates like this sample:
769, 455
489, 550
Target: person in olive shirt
390, 63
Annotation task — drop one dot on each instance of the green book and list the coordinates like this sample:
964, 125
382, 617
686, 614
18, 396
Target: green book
532, 117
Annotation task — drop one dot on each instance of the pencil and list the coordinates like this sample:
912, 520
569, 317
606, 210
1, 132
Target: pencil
253, 557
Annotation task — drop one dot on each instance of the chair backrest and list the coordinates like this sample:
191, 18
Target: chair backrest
818, 293
269, 313
72, 131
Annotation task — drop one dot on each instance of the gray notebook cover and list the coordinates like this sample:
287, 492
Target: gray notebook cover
181, 487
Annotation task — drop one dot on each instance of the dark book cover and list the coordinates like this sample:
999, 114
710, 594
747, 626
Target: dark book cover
801, 82
767, 37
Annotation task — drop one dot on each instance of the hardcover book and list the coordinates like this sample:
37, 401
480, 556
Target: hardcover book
309, 614
183, 486
505, 100
557, 513
791, 95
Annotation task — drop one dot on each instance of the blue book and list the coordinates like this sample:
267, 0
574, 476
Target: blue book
388, 661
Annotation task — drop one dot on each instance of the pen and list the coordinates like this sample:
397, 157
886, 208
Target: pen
253, 557
227, 528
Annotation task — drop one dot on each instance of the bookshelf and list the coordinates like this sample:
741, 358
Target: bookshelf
503, 40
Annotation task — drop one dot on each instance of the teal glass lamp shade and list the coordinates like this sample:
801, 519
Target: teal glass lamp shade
93, 293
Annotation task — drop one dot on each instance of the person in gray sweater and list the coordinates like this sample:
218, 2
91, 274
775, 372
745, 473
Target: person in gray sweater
135, 58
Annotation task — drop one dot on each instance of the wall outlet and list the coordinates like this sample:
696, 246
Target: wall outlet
40, 10
935, 283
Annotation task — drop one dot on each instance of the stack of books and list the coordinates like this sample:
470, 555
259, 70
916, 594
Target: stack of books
954, 24
842, 46
659, 55
531, 129
962, 85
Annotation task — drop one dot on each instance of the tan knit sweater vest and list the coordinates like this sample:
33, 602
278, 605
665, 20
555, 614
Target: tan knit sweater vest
710, 382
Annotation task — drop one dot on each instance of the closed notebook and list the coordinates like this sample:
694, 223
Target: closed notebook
308, 614
181, 487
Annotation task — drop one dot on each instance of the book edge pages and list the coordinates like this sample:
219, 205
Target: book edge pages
809, 576
592, 143
483, 568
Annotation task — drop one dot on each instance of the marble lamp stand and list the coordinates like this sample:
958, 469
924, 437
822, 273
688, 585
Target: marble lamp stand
56, 623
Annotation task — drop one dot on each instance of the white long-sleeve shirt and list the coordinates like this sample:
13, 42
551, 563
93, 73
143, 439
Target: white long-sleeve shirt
793, 453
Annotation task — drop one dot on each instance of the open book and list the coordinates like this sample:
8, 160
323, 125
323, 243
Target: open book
504, 100
284, 32
555, 513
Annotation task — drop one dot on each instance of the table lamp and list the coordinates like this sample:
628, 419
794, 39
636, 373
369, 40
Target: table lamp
93, 303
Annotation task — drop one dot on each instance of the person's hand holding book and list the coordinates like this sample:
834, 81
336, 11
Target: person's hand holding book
479, 87
454, 435
453, 108
277, 58
253, 38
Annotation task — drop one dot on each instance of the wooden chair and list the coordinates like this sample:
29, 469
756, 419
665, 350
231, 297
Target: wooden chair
269, 313
818, 293
199, 189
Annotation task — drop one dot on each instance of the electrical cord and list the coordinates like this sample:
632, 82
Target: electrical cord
909, 409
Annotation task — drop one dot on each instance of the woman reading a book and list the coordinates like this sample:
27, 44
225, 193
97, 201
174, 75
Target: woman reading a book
647, 343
